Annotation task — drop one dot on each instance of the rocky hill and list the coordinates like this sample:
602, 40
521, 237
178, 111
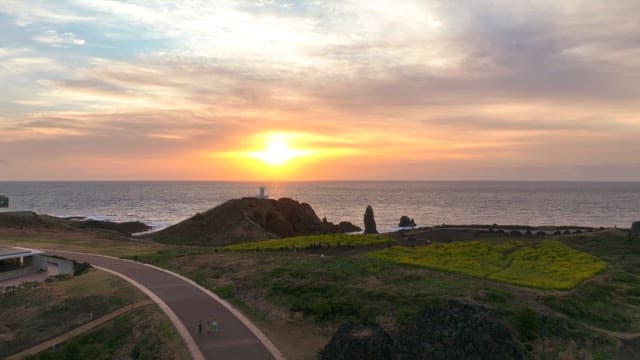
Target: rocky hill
249, 219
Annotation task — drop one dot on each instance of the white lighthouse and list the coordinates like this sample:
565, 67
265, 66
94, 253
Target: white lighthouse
262, 195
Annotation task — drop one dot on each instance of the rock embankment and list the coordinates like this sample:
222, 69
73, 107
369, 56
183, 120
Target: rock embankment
249, 219
126, 228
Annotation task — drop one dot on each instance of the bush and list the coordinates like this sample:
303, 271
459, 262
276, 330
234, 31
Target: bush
80, 268
364, 340
455, 331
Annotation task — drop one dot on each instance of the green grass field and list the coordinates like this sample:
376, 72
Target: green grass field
144, 333
301, 242
546, 264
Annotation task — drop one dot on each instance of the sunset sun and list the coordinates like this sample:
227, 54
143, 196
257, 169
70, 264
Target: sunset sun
278, 151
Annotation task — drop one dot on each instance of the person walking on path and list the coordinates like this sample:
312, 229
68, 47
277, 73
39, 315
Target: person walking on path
200, 327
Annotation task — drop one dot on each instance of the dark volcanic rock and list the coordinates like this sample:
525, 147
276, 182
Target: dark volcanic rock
244, 220
369, 221
127, 228
342, 228
405, 221
353, 341
347, 227
455, 331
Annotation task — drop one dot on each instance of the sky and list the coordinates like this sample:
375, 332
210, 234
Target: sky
319, 90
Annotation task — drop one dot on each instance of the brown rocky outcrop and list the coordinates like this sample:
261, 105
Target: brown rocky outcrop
244, 220
369, 221
342, 228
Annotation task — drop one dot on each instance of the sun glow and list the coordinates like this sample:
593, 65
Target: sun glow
278, 151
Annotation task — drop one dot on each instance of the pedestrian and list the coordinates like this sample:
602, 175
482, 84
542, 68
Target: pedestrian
200, 327
208, 326
214, 326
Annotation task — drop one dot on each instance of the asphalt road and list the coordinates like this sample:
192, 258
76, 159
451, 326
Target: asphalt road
233, 340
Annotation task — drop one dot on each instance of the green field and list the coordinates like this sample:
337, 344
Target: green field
546, 264
302, 242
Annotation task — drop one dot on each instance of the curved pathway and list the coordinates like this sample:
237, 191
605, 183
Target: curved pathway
187, 304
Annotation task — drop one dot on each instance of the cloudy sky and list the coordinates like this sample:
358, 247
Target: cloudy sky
361, 89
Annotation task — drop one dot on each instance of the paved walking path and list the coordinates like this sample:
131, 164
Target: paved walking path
77, 331
187, 304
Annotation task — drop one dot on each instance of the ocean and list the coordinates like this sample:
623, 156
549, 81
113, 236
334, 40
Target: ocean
161, 204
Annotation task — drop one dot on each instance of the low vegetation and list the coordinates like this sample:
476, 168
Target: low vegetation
144, 333
317, 241
546, 264
82, 241
34, 312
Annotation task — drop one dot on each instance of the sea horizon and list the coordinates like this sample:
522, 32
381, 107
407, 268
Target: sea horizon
162, 203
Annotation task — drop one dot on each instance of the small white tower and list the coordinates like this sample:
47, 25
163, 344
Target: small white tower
262, 194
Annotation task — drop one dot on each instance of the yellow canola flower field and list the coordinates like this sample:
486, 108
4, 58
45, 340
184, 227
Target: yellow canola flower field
545, 264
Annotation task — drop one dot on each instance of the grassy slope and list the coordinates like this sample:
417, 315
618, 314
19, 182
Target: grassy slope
35, 313
144, 333
545, 264
31, 315
99, 243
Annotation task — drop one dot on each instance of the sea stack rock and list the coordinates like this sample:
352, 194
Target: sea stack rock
369, 221
405, 221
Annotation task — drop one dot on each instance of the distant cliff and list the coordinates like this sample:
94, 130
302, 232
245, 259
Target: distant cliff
248, 219
31, 220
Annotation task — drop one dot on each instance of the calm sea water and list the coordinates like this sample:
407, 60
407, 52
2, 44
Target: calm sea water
164, 203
